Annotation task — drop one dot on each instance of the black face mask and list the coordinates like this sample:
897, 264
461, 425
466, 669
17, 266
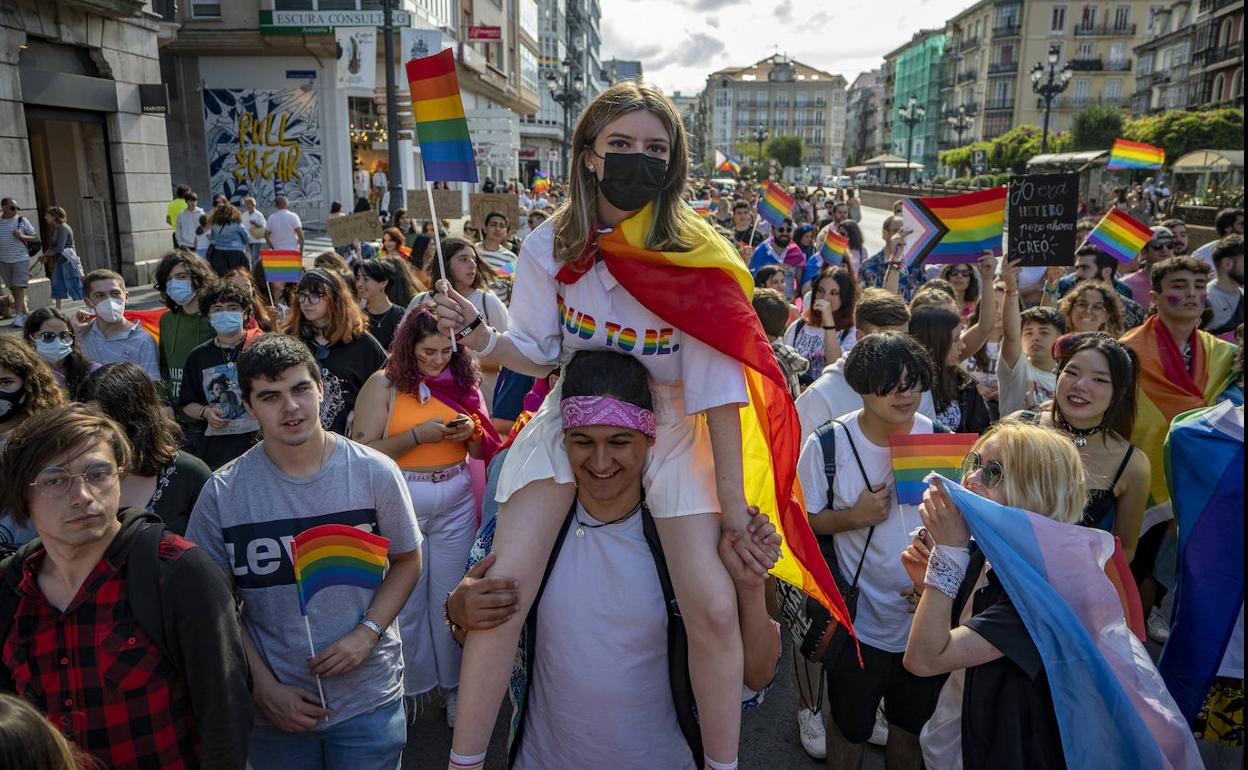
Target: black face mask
10, 404
630, 180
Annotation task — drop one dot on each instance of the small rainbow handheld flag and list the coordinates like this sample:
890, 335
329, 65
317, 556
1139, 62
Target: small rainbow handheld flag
724, 162
957, 228
281, 266
1121, 235
1127, 154
336, 555
445, 145
834, 247
775, 204
915, 456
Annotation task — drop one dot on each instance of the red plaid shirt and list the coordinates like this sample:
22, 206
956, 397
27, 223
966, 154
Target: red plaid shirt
97, 676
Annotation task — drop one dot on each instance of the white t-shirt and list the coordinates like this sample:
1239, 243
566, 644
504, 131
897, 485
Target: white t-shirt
550, 321
1023, 386
501, 259
883, 619
254, 219
12, 248
1223, 304
830, 396
600, 685
186, 225
282, 225
380, 180
361, 183
487, 303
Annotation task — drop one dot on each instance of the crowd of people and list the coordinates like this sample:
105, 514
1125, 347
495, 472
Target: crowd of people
548, 422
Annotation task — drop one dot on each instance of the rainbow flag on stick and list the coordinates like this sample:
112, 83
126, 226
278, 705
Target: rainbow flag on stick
957, 228
282, 266
916, 456
834, 247
775, 204
541, 182
1120, 235
445, 146
1127, 154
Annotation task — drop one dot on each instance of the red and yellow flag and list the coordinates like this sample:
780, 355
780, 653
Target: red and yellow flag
705, 292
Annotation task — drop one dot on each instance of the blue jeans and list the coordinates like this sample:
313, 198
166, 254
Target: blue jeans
371, 741
66, 283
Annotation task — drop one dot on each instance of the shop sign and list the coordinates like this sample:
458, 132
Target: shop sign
357, 56
324, 22
528, 153
484, 34
301, 74
153, 99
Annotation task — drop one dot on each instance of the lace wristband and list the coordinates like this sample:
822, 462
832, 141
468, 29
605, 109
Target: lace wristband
945, 569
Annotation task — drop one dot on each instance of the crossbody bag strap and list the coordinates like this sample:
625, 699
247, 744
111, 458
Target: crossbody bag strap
863, 470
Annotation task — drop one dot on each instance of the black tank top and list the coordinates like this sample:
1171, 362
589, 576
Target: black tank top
1101, 502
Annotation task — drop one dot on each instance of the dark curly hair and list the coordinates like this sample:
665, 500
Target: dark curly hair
222, 292
77, 365
402, 367
201, 272
42, 389
125, 393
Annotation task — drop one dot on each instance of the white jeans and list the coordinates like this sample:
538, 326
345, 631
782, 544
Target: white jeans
446, 513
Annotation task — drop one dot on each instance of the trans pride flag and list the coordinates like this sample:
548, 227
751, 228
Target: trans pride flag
1113, 709
1205, 472
953, 229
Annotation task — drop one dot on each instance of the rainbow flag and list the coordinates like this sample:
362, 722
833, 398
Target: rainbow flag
957, 228
917, 456
1120, 234
1113, 709
701, 207
1205, 472
716, 197
705, 292
1127, 154
775, 204
281, 266
336, 555
834, 247
725, 162
148, 319
541, 182
445, 146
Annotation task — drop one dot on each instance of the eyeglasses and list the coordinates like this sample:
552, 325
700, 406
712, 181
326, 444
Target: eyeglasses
993, 472
54, 482
1095, 307
783, 231
1162, 245
48, 338
961, 272
309, 297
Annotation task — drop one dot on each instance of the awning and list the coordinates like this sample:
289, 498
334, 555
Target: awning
880, 160
1069, 159
856, 170
1218, 161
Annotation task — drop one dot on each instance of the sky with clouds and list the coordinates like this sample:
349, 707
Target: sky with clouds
680, 42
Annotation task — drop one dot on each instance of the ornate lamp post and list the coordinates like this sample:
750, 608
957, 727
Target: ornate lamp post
1048, 81
567, 93
912, 115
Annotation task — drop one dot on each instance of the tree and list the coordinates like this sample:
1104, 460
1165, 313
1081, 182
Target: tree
962, 159
1096, 127
786, 150
1179, 133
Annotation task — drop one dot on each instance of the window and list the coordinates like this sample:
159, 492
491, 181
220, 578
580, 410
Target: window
528, 70
1088, 19
1057, 21
1006, 54
1219, 87
1118, 53
1146, 64
1086, 50
1079, 91
1152, 16
1122, 17
1002, 95
1113, 90
528, 18
205, 10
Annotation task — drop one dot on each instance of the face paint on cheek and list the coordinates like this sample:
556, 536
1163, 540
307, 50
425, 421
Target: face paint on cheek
1204, 298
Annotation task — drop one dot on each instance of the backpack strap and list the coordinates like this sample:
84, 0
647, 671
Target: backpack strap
827, 443
10, 579
145, 588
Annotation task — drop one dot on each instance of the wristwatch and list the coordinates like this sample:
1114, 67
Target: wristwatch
371, 624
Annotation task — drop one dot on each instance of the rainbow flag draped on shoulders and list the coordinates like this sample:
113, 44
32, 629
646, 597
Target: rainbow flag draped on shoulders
1127, 154
336, 555
705, 292
1113, 710
1205, 471
1166, 389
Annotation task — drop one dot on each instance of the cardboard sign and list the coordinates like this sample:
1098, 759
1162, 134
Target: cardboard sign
507, 204
349, 228
1040, 216
448, 203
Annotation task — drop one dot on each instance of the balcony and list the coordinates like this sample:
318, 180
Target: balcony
1003, 68
999, 105
968, 44
1118, 65
1105, 30
966, 77
1012, 29
1096, 64
1212, 56
821, 102
1209, 6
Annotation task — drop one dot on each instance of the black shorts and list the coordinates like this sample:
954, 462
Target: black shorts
854, 693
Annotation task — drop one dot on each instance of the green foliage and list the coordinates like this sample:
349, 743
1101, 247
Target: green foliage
1096, 127
786, 150
963, 158
1179, 132
1014, 148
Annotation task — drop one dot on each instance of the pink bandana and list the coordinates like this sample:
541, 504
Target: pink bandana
579, 411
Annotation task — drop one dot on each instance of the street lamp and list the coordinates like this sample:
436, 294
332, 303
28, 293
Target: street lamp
758, 136
960, 122
1048, 81
568, 95
912, 115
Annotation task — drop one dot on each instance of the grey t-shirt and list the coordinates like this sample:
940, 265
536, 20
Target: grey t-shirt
246, 517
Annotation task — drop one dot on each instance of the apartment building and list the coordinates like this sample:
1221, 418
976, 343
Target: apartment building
783, 97
917, 69
863, 129
1218, 53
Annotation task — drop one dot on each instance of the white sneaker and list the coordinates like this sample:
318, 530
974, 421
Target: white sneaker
879, 733
814, 734
18, 320
1158, 628
452, 700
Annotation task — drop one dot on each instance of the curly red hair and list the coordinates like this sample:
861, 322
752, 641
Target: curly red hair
403, 369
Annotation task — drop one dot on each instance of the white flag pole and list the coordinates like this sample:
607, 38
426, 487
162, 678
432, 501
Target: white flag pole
437, 247
320, 688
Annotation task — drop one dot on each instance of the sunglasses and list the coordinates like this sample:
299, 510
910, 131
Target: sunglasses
993, 472
48, 338
1159, 245
960, 273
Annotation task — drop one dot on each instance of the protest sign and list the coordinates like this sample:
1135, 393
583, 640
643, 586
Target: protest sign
1040, 218
448, 203
349, 228
507, 204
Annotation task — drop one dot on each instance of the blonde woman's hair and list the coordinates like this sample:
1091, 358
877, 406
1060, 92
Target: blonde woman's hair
575, 219
1043, 471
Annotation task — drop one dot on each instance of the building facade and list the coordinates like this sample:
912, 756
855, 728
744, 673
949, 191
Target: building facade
83, 127
616, 70
863, 129
1163, 62
260, 106
1218, 53
918, 67
782, 97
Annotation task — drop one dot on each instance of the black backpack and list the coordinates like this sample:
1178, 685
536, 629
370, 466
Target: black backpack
142, 569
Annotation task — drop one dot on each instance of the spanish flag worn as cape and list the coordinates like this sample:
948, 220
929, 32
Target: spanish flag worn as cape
1166, 389
705, 292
